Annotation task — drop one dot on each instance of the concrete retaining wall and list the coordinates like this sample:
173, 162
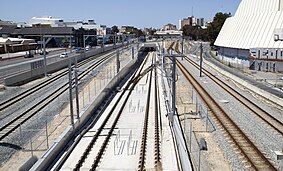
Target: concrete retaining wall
52, 67
252, 88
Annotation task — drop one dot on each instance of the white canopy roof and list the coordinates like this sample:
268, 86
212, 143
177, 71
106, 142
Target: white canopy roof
11, 40
5, 41
253, 25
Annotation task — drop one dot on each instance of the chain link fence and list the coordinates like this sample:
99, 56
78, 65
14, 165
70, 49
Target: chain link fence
195, 146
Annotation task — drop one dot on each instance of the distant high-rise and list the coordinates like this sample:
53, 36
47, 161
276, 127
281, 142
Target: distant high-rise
192, 21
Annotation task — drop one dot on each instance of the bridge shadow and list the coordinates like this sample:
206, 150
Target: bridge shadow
9, 145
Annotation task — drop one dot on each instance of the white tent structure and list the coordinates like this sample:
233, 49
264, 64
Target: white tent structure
257, 24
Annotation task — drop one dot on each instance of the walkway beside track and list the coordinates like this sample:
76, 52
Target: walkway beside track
123, 149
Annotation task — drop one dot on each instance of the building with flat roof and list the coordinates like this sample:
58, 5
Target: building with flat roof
249, 38
128, 29
6, 30
16, 44
46, 21
49, 22
6, 22
192, 21
170, 26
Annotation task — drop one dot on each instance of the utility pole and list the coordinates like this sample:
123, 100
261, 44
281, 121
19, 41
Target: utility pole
118, 61
201, 60
84, 46
174, 80
103, 43
44, 56
115, 40
174, 86
133, 52
70, 93
77, 88
182, 45
70, 44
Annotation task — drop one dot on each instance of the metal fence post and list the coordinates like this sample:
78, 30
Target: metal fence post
118, 62
83, 91
21, 135
46, 134
196, 104
206, 119
191, 131
185, 118
199, 159
133, 53
31, 149
88, 94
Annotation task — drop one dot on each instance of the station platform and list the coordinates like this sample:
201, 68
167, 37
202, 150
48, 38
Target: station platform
123, 149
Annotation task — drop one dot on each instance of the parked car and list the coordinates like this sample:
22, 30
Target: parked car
42, 52
88, 47
64, 55
28, 55
78, 50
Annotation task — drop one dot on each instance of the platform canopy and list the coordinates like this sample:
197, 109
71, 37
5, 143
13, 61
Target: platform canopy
169, 33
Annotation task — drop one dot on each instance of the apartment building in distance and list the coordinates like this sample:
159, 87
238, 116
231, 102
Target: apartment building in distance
127, 29
170, 27
192, 21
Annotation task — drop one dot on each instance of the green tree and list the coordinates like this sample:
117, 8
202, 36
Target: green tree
194, 32
114, 29
152, 31
137, 32
215, 26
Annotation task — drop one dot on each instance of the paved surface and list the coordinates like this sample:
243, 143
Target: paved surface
62, 120
9, 56
263, 80
16, 58
123, 150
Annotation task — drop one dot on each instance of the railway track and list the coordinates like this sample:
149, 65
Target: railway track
157, 152
143, 148
17, 98
127, 92
98, 144
249, 152
270, 120
13, 124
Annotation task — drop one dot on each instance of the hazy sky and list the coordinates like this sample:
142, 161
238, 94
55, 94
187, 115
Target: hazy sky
145, 13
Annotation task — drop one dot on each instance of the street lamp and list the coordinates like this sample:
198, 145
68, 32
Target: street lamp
201, 60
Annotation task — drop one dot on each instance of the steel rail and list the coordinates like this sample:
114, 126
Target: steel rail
246, 147
13, 124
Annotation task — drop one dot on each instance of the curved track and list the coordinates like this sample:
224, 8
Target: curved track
90, 146
92, 155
